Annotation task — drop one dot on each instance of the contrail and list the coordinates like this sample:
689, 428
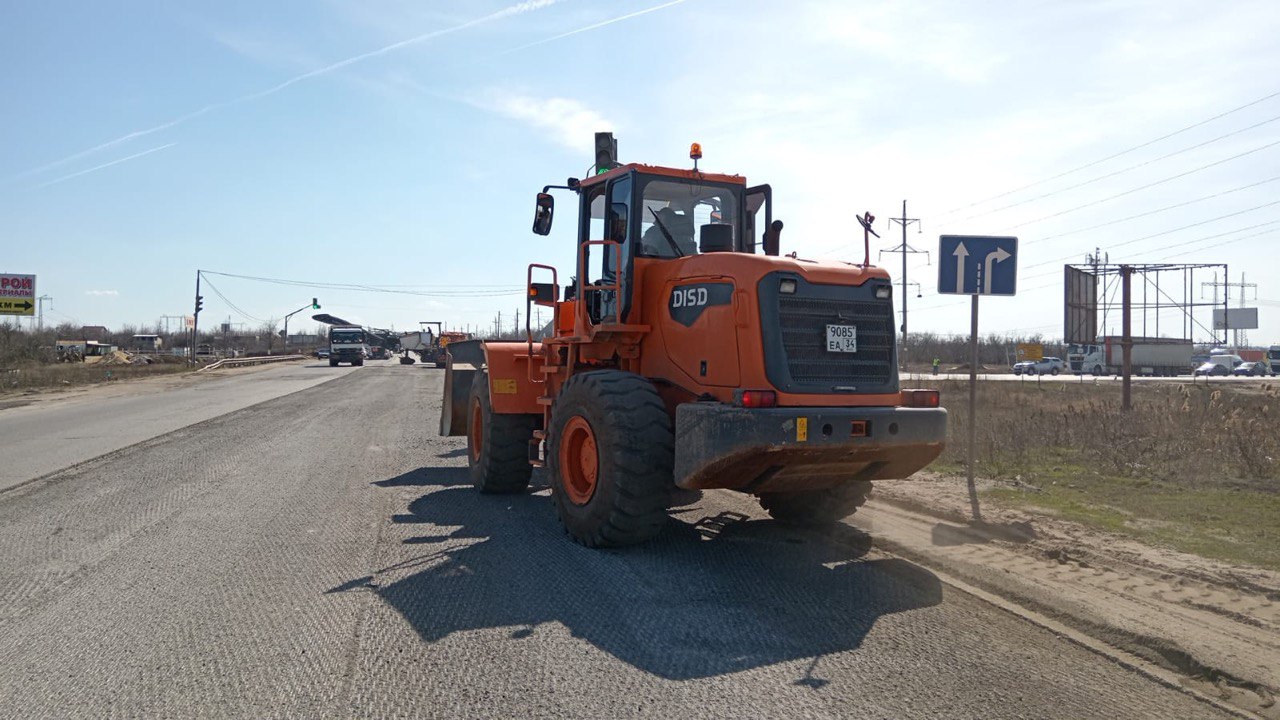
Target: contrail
588, 28
517, 9
106, 165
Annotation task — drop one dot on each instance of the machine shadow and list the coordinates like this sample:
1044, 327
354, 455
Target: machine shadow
709, 596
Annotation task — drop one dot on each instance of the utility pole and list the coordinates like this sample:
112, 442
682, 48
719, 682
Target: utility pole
1126, 337
40, 319
905, 249
1096, 259
516, 329
167, 318
195, 322
1226, 285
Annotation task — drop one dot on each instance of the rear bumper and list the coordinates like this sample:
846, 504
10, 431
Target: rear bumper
786, 449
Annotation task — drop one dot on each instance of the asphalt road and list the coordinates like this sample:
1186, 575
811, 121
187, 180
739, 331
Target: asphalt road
50, 435
319, 554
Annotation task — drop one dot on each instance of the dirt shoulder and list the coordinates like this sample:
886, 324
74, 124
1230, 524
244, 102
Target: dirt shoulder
1214, 622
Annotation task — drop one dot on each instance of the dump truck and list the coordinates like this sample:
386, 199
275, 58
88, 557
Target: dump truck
690, 362
346, 344
1150, 356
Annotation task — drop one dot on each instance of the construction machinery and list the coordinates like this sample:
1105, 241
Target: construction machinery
695, 363
429, 345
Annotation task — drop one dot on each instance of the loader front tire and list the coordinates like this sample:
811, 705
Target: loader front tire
816, 507
497, 444
610, 453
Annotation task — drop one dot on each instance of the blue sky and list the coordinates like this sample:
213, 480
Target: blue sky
399, 144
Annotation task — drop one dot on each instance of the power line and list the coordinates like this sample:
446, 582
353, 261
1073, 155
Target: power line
1115, 155
1120, 171
1177, 229
1023, 290
231, 304
485, 291
1147, 186
1153, 212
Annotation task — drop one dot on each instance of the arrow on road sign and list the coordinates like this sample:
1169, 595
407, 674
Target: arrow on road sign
961, 253
999, 255
24, 305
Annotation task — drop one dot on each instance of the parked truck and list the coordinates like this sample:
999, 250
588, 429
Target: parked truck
346, 344
1150, 356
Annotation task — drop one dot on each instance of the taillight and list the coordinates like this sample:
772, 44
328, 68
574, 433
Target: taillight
757, 398
921, 398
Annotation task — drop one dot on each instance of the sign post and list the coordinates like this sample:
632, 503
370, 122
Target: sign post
976, 265
17, 295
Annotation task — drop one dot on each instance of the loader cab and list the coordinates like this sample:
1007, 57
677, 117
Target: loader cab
656, 214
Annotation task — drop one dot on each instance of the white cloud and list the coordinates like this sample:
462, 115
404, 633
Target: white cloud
565, 120
102, 293
519, 8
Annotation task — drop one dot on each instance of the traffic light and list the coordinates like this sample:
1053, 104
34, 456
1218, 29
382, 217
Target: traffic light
315, 304
606, 152
199, 303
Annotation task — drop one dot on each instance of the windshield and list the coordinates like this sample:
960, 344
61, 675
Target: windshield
346, 336
674, 214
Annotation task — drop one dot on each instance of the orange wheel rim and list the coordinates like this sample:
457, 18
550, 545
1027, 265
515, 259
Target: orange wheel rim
579, 461
476, 436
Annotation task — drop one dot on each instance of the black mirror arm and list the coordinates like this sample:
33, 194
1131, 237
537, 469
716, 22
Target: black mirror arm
667, 235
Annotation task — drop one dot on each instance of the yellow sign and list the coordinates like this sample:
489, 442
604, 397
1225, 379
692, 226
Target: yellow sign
802, 429
21, 306
504, 386
1030, 351
17, 294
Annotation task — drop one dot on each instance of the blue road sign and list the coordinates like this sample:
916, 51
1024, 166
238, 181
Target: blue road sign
977, 265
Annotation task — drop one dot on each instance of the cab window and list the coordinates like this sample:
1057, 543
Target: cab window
672, 213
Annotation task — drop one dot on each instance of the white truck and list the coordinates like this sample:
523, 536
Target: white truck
1150, 356
346, 344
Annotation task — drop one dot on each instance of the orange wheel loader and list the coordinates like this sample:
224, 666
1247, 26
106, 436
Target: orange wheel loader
685, 352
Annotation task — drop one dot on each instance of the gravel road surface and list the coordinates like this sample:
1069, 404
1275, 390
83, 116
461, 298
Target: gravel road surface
319, 554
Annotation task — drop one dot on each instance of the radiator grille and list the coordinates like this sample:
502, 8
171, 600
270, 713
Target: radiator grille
803, 324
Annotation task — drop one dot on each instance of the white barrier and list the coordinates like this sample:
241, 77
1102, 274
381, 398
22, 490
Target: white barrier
237, 362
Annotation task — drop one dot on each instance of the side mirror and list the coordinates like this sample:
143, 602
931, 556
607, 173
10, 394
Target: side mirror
773, 238
544, 214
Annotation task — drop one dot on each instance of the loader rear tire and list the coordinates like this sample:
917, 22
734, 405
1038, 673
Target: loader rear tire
610, 453
816, 507
497, 444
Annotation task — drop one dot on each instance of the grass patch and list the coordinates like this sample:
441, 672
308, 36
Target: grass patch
1193, 466
1235, 524
54, 375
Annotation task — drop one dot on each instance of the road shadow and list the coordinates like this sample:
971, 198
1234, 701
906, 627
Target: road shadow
713, 594
428, 477
980, 533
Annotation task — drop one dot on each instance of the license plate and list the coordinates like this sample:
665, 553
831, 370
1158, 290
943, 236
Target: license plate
842, 338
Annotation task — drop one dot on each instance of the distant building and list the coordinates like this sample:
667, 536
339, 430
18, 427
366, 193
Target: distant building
303, 340
146, 343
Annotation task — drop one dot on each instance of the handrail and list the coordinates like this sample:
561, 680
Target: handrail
528, 308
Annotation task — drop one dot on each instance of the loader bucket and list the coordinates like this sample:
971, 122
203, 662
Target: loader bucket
463, 359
